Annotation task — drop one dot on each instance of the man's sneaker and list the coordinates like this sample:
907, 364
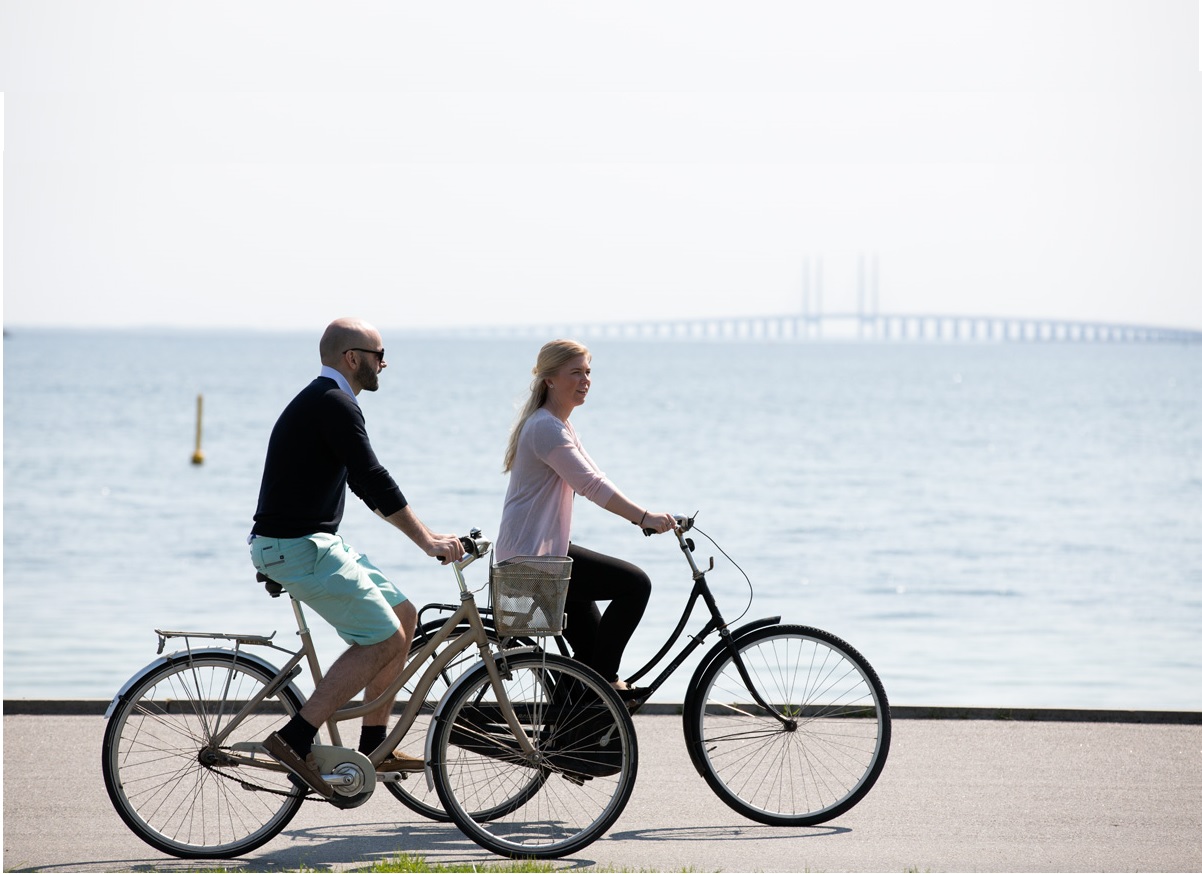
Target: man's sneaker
304, 769
398, 761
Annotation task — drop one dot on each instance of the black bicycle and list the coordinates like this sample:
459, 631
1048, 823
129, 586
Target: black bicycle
788, 724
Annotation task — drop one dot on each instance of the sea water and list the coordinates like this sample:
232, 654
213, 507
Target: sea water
1011, 525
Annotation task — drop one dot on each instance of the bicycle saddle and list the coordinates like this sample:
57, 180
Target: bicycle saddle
273, 588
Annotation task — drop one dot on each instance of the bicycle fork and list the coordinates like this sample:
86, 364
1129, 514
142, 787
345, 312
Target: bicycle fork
727, 638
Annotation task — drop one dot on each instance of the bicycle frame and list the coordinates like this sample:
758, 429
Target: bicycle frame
716, 622
467, 612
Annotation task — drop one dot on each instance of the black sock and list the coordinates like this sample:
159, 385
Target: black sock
370, 737
299, 735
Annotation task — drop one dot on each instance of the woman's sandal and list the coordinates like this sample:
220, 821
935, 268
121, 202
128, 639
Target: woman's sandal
632, 693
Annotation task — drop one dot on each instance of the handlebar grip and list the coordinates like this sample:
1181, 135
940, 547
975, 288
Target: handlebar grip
683, 523
473, 546
469, 548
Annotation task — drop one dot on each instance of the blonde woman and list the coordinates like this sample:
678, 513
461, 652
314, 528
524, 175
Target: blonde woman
548, 466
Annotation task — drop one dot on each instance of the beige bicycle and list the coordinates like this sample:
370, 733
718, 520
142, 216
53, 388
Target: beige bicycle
532, 755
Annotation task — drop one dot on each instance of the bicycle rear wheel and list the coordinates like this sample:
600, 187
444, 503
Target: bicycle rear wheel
586, 757
172, 784
413, 790
827, 754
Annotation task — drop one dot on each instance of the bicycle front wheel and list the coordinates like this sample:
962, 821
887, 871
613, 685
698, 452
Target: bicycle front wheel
815, 762
585, 757
172, 783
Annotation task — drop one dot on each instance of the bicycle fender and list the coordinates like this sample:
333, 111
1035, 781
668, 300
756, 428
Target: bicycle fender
470, 672
459, 681
720, 647
185, 654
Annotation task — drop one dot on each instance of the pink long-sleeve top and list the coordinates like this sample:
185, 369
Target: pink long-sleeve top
549, 469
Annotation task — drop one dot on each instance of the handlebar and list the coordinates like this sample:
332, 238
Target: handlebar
475, 546
683, 524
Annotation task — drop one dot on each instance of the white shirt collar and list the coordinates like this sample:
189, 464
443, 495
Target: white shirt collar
331, 373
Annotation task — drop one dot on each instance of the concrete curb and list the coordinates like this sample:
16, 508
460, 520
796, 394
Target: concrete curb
1045, 714
97, 707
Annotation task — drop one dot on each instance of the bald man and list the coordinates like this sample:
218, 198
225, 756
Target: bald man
319, 447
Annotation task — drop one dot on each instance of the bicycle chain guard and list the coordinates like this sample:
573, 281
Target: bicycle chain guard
354, 771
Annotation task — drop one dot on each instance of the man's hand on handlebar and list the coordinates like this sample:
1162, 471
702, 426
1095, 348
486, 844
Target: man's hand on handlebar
445, 547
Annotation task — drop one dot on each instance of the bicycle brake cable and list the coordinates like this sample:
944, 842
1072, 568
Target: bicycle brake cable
750, 585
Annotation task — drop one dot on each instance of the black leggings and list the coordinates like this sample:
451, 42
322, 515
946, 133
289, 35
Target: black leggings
598, 639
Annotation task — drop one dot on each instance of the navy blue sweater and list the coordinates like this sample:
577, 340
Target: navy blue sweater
318, 447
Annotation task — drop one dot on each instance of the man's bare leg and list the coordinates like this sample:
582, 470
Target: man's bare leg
350, 673
374, 667
375, 724
378, 685
353, 670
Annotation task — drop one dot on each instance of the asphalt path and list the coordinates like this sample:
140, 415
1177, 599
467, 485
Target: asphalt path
955, 795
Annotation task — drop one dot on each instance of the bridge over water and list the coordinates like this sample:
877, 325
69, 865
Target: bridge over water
865, 326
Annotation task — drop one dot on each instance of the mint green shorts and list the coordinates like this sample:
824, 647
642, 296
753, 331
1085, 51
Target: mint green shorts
341, 585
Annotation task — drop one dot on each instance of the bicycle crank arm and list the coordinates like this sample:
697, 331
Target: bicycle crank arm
348, 771
394, 776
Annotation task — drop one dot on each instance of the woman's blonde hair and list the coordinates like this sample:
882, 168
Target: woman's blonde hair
551, 358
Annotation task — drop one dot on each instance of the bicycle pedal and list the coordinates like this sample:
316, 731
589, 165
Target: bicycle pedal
343, 802
255, 746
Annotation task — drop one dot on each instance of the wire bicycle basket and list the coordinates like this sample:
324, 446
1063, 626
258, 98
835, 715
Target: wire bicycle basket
528, 593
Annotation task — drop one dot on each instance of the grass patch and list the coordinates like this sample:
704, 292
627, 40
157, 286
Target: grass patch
409, 864
405, 863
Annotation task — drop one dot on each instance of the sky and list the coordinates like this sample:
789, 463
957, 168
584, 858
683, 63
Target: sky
274, 165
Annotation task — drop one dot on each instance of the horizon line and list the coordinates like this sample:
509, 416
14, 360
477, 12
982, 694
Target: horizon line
602, 324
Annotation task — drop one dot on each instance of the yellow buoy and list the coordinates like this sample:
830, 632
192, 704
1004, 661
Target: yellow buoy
198, 457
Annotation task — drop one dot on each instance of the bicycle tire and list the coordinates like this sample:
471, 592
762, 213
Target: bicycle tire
414, 791
586, 755
166, 779
819, 765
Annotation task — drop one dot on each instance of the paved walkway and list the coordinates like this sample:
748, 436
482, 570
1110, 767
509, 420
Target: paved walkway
963, 795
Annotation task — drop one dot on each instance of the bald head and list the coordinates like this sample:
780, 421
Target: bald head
354, 349
343, 334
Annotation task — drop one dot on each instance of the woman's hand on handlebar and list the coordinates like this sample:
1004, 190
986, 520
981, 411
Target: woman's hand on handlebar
658, 523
